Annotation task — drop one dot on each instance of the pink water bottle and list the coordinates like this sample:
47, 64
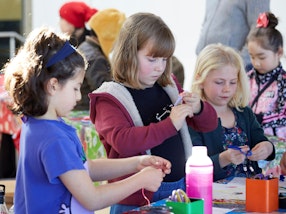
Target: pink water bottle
199, 177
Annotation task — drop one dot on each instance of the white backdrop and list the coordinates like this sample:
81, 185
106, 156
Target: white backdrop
184, 20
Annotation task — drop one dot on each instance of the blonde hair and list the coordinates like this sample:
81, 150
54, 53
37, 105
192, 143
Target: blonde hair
213, 57
138, 31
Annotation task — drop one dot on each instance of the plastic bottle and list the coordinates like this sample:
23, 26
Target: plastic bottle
3, 207
199, 177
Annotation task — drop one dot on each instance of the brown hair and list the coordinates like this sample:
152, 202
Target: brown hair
137, 31
26, 75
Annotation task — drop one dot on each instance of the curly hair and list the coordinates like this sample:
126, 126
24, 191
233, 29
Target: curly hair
26, 74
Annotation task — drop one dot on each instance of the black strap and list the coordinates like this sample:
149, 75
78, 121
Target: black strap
264, 88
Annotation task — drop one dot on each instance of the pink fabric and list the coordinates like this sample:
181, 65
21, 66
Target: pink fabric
267, 103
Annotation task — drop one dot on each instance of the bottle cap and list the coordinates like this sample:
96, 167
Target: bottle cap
199, 150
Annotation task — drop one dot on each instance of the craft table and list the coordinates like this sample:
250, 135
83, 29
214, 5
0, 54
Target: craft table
230, 198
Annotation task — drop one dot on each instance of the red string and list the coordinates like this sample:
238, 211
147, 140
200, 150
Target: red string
145, 197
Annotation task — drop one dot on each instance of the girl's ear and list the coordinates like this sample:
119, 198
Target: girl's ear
52, 86
197, 77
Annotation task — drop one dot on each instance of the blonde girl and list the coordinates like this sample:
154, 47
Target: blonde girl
238, 141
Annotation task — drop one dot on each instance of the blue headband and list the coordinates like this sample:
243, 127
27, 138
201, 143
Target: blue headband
65, 51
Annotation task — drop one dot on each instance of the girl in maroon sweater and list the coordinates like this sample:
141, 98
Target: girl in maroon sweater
144, 111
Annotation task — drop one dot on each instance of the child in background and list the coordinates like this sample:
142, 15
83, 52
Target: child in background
268, 78
105, 26
54, 176
141, 112
73, 16
220, 79
178, 70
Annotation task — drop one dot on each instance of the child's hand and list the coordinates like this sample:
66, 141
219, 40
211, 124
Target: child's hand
261, 151
193, 100
179, 113
151, 178
283, 164
191, 105
156, 162
233, 156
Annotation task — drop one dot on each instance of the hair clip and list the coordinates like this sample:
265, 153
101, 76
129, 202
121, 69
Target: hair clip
262, 20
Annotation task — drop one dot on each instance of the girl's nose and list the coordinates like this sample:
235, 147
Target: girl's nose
226, 87
160, 65
256, 63
78, 96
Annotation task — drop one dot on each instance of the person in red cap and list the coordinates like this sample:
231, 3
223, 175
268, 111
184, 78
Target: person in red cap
73, 16
105, 26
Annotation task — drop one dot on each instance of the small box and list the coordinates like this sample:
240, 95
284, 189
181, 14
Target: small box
196, 206
262, 195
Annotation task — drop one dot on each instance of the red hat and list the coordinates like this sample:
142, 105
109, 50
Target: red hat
77, 13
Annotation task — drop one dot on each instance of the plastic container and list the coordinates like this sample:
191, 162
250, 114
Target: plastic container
262, 195
199, 177
195, 206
